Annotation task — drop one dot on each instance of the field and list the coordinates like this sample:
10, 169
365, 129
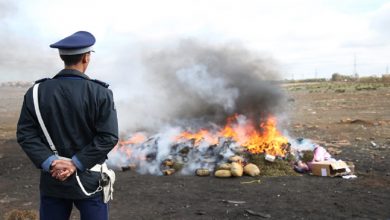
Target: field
351, 119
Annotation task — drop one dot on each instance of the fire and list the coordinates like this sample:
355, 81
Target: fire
137, 138
199, 148
268, 140
264, 139
198, 137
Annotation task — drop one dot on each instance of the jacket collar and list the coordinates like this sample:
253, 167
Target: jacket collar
71, 73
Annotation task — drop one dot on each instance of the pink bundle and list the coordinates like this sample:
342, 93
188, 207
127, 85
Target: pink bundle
320, 154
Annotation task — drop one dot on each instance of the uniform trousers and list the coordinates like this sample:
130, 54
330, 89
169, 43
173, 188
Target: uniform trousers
60, 209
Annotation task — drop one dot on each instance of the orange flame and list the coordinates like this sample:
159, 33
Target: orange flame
198, 137
264, 138
267, 139
137, 138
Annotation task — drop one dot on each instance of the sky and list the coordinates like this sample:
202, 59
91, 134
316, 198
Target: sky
305, 38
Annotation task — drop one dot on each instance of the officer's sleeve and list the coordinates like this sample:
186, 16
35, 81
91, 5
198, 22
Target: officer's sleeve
28, 135
106, 133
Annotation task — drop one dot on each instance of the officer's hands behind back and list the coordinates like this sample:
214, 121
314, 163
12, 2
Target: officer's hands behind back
62, 169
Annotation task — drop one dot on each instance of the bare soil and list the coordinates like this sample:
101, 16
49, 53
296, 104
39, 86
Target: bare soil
353, 121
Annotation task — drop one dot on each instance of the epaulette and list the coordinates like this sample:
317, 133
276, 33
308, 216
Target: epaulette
106, 85
41, 80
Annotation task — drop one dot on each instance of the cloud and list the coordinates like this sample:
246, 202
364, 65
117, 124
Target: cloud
289, 31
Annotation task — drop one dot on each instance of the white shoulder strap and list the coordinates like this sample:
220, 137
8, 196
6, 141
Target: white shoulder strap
39, 116
51, 144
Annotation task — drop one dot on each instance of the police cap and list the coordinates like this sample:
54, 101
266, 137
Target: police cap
77, 43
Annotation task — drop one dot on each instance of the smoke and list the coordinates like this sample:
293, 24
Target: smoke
148, 157
185, 86
201, 83
213, 90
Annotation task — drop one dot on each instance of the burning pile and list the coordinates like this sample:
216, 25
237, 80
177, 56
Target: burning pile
200, 85
227, 151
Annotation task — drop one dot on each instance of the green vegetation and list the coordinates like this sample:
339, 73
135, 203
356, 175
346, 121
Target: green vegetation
337, 87
280, 167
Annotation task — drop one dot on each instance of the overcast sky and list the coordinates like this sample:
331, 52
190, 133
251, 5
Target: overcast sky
307, 38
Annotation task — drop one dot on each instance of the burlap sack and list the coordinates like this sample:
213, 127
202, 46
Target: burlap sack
223, 173
236, 169
251, 170
202, 172
236, 158
224, 166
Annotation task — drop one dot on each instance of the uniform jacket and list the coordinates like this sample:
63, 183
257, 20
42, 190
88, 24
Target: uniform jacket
81, 119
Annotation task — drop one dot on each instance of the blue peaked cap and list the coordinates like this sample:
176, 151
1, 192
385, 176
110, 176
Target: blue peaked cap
77, 43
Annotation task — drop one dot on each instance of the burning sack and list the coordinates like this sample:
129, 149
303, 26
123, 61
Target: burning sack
236, 169
251, 170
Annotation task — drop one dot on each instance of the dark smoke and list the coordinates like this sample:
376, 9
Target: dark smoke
199, 82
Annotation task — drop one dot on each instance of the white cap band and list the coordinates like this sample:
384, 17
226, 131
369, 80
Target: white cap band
75, 51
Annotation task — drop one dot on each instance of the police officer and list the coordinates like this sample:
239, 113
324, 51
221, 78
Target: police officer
80, 118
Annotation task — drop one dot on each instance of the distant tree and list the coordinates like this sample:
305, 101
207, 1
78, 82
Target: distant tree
339, 77
336, 77
370, 79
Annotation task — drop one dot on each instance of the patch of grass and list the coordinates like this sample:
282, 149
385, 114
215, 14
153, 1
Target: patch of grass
307, 156
339, 90
338, 87
18, 214
370, 86
277, 168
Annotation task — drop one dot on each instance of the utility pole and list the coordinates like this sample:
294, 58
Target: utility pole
354, 66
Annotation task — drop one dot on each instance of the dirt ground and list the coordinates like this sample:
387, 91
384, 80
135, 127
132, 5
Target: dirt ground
353, 120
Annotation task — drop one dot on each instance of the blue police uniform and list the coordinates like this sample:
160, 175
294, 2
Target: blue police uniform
81, 118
